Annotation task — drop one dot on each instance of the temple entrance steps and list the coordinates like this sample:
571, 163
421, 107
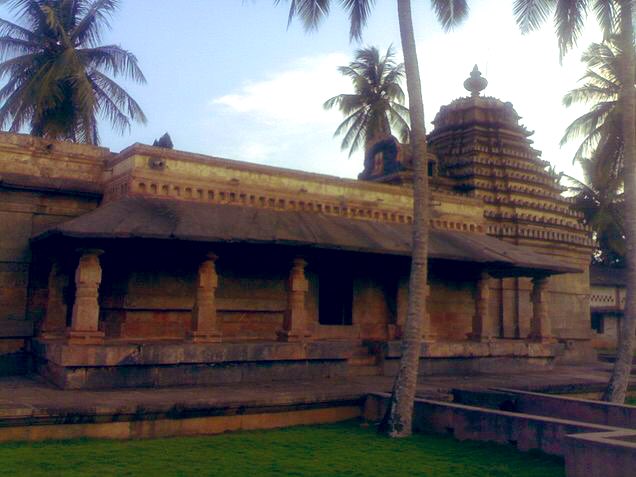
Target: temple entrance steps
364, 363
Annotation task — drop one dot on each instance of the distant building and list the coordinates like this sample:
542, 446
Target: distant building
158, 267
607, 303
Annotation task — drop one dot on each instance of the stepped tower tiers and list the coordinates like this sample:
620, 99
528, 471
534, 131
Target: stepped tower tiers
481, 146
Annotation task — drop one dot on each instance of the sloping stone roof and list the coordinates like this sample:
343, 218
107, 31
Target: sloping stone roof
152, 218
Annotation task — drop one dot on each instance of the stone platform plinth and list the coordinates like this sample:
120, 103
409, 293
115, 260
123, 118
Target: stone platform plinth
117, 364
466, 357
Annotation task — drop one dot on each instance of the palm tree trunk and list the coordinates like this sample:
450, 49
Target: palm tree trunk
397, 421
617, 386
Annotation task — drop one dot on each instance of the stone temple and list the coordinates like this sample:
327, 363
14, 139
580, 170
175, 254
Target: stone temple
155, 267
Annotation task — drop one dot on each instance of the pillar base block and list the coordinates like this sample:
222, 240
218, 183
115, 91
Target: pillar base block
542, 339
84, 337
293, 335
429, 338
394, 332
205, 336
479, 338
52, 334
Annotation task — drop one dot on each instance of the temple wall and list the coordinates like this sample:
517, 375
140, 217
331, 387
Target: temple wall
23, 287
451, 306
40, 184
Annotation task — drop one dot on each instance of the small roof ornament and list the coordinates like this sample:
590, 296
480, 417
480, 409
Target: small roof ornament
476, 83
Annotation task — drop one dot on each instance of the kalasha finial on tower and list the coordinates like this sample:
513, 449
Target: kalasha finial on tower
476, 83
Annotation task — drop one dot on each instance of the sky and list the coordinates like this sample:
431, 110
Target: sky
228, 78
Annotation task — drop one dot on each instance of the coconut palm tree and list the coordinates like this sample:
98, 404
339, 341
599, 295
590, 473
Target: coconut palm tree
377, 103
600, 196
600, 126
398, 419
614, 17
57, 73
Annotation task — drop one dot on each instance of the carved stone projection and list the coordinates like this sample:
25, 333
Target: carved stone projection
54, 324
295, 326
205, 326
85, 320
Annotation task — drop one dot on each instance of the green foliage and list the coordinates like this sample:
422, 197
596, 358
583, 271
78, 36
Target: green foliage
600, 195
57, 74
335, 449
377, 102
569, 17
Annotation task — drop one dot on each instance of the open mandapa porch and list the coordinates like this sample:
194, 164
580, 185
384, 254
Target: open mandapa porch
153, 292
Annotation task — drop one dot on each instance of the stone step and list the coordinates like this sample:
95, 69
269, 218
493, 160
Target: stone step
367, 360
364, 371
360, 351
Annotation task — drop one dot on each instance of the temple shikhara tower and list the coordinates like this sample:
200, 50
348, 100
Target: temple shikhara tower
155, 267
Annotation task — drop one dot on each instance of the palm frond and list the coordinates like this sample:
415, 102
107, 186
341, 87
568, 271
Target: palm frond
606, 15
358, 11
95, 19
450, 13
569, 20
113, 59
16, 31
309, 12
530, 14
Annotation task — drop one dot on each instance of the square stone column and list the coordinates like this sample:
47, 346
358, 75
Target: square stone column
54, 323
295, 326
483, 323
205, 325
85, 321
540, 324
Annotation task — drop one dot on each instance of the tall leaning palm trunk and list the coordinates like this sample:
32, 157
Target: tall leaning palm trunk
398, 418
397, 421
619, 380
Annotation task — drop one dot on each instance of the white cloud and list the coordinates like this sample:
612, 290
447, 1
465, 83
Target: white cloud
293, 96
280, 120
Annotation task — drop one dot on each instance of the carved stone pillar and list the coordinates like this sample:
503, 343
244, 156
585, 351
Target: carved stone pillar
295, 326
85, 321
427, 333
205, 325
540, 325
54, 323
483, 323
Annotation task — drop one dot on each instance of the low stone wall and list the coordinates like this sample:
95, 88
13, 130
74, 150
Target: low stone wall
173, 364
608, 454
540, 404
524, 431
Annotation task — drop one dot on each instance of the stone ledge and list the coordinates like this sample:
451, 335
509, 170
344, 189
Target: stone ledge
471, 349
179, 353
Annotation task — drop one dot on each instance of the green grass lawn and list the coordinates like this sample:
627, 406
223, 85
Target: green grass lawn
345, 449
631, 401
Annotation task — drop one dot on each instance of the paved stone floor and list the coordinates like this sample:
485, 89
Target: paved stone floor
24, 397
